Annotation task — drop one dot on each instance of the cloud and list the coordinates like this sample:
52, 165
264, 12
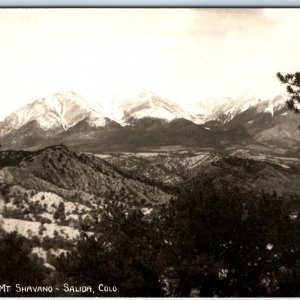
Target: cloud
219, 22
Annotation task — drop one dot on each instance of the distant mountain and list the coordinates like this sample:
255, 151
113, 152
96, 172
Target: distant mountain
226, 108
269, 122
282, 129
56, 113
150, 121
149, 104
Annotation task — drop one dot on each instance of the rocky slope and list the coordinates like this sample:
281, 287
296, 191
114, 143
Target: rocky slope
244, 169
52, 195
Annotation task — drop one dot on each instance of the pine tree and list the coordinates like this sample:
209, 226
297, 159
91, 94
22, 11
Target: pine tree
16, 264
232, 243
122, 252
292, 82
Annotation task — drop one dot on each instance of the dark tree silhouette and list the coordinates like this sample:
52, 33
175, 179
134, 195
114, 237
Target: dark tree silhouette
232, 243
211, 240
123, 253
17, 266
292, 82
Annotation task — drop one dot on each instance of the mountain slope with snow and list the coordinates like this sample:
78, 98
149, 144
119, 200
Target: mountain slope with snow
58, 112
149, 104
226, 108
149, 121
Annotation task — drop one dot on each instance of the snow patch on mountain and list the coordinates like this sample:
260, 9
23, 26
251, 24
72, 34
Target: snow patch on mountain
59, 111
149, 104
272, 105
226, 108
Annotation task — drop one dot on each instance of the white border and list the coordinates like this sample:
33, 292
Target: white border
149, 3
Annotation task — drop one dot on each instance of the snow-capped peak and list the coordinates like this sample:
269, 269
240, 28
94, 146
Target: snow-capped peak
272, 105
149, 104
225, 109
59, 111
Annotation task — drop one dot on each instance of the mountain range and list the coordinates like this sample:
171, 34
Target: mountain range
148, 121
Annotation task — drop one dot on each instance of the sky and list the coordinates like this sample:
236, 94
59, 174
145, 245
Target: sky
186, 55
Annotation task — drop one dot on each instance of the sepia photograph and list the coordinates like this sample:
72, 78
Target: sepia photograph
149, 152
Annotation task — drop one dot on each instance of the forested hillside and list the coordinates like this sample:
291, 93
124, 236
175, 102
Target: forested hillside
148, 225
